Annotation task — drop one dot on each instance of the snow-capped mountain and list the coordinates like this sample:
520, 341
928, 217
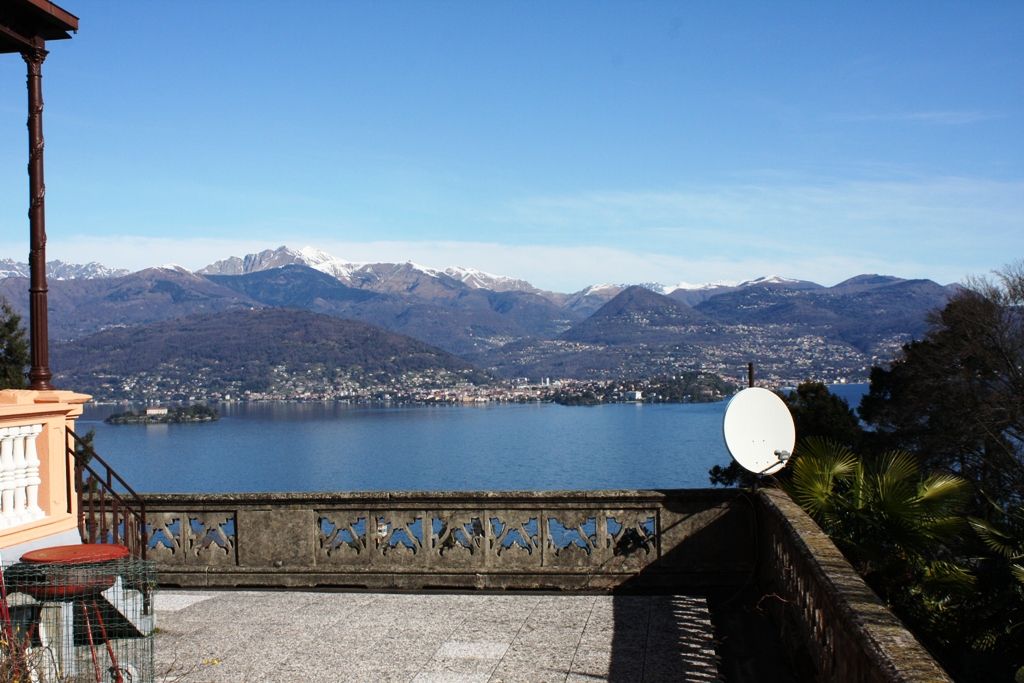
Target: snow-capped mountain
690, 287
695, 294
611, 290
176, 268
59, 270
478, 279
417, 280
427, 281
604, 289
385, 277
11, 268
779, 281
591, 298
264, 260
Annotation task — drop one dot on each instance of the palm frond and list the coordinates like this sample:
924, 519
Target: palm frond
894, 486
943, 488
985, 640
818, 471
828, 455
944, 528
949, 575
996, 539
898, 466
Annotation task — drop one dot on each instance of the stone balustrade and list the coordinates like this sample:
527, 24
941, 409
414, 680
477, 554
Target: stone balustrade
19, 475
37, 497
527, 540
678, 541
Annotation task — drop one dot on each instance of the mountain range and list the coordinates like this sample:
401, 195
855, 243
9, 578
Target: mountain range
58, 270
793, 329
382, 277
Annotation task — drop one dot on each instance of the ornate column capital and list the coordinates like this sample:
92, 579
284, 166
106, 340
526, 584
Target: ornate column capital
34, 58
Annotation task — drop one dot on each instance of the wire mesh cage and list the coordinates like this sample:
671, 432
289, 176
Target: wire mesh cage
77, 621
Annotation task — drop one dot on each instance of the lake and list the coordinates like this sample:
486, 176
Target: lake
337, 447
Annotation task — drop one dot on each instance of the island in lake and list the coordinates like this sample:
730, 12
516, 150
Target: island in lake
178, 415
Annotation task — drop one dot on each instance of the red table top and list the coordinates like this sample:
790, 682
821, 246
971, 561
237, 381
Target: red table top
83, 553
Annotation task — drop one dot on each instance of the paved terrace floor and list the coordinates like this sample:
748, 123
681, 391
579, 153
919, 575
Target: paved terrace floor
319, 636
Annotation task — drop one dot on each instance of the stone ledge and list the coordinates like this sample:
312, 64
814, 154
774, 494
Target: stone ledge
838, 595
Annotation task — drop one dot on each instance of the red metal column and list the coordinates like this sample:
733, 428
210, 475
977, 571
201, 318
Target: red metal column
39, 375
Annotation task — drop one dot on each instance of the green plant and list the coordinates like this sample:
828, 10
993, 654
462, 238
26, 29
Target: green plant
899, 527
881, 510
1000, 568
953, 398
14, 355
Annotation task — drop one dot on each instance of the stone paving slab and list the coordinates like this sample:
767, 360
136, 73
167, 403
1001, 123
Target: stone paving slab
214, 636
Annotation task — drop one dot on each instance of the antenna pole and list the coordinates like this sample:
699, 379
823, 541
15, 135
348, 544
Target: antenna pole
750, 374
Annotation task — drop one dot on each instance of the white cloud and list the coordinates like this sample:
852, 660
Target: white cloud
949, 205
944, 223
557, 268
938, 228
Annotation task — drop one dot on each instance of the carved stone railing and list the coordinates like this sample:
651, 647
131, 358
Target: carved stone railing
557, 540
19, 475
677, 541
823, 606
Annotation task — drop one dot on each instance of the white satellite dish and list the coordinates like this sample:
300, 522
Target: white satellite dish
759, 430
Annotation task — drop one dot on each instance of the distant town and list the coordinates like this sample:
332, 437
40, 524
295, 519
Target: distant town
429, 387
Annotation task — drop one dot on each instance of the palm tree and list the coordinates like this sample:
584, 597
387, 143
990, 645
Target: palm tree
881, 512
899, 528
906, 534
1000, 572
1005, 540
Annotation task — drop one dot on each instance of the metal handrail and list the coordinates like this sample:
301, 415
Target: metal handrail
98, 500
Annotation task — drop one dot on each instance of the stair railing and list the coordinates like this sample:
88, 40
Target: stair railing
109, 510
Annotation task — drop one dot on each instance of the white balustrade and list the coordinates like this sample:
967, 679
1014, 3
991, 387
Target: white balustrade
19, 475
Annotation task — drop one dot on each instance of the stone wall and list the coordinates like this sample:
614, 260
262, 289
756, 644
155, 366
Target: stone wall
823, 607
526, 541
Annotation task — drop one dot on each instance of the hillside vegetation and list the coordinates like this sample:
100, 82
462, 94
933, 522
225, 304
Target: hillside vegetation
246, 350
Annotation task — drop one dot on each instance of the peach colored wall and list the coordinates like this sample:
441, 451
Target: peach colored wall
54, 410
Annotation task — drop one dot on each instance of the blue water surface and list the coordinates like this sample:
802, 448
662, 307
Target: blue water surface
336, 447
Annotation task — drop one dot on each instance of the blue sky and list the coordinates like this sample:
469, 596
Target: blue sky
565, 143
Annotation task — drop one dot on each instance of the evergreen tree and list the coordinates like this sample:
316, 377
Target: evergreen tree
14, 355
817, 412
953, 399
